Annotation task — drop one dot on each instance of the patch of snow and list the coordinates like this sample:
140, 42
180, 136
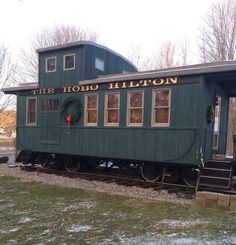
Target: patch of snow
6, 231
79, 228
182, 223
24, 220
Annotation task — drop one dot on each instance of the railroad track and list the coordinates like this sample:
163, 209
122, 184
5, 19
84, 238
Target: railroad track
109, 176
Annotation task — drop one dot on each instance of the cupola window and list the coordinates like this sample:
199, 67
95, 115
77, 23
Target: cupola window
69, 61
51, 64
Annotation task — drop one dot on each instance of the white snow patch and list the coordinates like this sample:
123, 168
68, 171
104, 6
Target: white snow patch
82, 205
182, 223
24, 220
79, 228
5, 231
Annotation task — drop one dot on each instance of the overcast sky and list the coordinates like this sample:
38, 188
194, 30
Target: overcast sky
120, 23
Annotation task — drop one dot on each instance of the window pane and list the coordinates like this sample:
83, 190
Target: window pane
162, 115
31, 111
112, 116
31, 104
69, 61
135, 116
136, 99
99, 64
92, 116
51, 64
112, 101
162, 98
92, 101
215, 140
31, 117
50, 105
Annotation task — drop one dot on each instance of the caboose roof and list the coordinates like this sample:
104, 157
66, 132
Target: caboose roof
198, 69
222, 72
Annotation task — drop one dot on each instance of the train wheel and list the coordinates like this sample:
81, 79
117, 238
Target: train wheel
72, 165
150, 172
190, 176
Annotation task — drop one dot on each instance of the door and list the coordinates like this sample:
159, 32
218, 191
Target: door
50, 121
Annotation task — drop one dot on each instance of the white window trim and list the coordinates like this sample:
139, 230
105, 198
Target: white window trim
64, 63
128, 109
99, 60
153, 104
86, 109
106, 109
27, 107
46, 67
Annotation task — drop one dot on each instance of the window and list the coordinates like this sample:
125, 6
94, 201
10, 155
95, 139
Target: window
51, 64
99, 64
161, 108
91, 110
112, 104
69, 61
50, 105
135, 108
31, 111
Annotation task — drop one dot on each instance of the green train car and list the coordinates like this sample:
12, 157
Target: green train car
92, 106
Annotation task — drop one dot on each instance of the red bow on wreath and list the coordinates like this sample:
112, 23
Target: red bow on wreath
68, 120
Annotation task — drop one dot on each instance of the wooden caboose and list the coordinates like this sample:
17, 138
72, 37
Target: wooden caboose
83, 111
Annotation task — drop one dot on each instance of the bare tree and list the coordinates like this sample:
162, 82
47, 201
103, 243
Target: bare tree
184, 53
172, 54
57, 35
166, 56
7, 77
218, 33
136, 57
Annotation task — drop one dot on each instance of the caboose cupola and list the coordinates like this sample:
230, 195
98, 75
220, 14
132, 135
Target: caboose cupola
68, 64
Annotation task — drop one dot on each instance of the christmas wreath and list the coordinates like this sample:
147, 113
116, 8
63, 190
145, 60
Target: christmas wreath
76, 104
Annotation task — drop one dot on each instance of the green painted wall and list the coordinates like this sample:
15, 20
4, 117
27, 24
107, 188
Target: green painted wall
177, 143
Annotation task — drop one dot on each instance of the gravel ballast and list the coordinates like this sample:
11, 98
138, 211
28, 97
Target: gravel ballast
97, 186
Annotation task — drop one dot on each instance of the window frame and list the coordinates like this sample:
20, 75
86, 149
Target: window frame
27, 111
86, 123
99, 60
107, 109
64, 62
49, 110
128, 109
153, 108
46, 67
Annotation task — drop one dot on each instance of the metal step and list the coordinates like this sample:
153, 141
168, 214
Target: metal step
215, 172
212, 181
218, 164
216, 175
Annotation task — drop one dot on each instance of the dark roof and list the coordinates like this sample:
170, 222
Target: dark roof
80, 43
198, 69
22, 87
